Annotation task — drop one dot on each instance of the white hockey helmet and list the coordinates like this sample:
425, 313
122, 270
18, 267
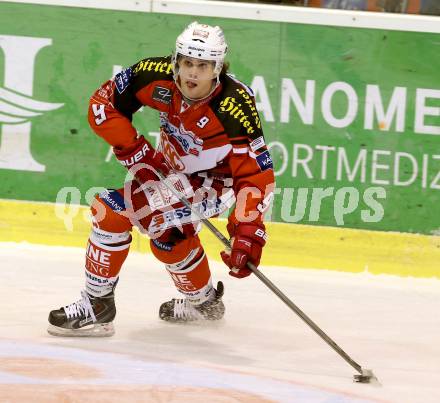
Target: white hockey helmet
204, 42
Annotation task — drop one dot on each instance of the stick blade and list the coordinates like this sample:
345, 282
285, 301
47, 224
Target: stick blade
366, 376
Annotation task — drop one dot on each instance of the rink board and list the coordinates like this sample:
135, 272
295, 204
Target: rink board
305, 52
320, 90
298, 245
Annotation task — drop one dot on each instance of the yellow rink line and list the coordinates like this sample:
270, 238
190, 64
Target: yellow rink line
293, 245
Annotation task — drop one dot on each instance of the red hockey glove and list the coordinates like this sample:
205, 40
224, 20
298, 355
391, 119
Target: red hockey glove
247, 244
142, 153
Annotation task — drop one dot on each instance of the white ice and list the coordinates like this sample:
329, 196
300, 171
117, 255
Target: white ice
385, 323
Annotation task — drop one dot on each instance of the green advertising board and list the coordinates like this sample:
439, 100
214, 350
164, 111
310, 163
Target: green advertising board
351, 115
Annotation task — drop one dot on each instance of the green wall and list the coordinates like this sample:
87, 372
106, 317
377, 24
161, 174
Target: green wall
340, 77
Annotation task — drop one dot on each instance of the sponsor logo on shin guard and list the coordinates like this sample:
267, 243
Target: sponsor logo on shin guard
95, 279
183, 283
97, 261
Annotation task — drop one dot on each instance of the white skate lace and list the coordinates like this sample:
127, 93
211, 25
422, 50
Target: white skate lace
78, 308
184, 310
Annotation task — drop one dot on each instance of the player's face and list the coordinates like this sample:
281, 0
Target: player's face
196, 77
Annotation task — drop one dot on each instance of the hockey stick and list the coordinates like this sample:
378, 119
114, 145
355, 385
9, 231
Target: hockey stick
365, 375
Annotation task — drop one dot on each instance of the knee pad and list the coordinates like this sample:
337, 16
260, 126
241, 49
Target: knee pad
176, 251
99, 236
106, 209
187, 265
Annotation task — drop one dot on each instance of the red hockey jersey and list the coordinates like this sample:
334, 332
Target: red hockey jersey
218, 138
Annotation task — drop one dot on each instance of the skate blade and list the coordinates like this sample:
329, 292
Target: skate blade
96, 330
202, 321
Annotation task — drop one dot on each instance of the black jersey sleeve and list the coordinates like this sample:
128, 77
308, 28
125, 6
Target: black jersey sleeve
133, 79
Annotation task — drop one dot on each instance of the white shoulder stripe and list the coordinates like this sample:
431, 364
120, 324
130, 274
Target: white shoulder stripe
243, 150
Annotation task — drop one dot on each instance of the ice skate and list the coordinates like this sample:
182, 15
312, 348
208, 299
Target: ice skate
90, 316
182, 310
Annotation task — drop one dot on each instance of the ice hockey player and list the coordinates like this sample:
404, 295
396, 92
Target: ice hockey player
211, 148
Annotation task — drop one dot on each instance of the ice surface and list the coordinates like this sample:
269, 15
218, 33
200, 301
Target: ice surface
260, 352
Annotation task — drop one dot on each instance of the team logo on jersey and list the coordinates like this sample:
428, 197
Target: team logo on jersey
162, 94
190, 143
170, 153
264, 161
122, 79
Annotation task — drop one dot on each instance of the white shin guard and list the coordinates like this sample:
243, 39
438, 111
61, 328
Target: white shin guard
101, 259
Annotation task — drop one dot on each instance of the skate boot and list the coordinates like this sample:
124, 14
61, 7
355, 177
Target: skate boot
90, 316
181, 310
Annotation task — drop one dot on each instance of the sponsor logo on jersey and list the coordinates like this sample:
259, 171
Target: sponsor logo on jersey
248, 100
230, 105
170, 219
264, 161
162, 94
157, 66
182, 215
257, 143
235, 109
122, 79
